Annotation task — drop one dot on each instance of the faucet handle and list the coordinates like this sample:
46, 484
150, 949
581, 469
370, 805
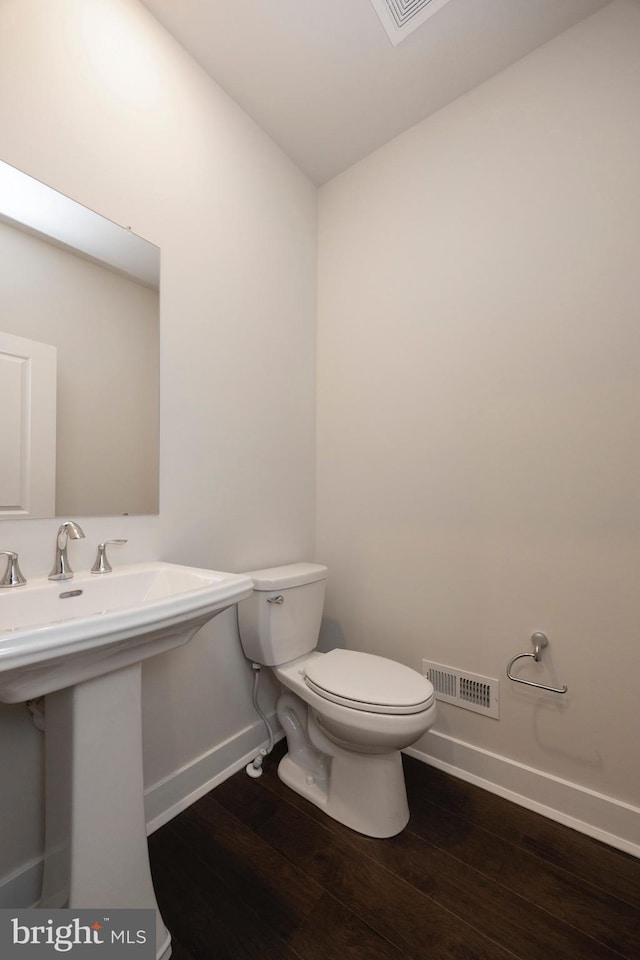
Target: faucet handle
12, 576
101, 564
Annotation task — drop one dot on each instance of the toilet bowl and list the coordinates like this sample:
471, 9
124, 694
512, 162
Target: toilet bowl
346, 715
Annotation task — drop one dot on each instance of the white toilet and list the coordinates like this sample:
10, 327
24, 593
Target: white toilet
346, 714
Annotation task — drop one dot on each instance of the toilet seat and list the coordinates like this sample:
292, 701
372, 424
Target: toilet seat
364, 681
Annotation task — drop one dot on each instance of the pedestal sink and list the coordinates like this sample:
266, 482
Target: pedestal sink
81, 642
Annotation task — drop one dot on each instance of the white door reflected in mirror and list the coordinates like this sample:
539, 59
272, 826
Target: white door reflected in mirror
27, 427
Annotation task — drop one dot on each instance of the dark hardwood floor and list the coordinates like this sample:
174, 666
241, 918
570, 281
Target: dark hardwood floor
254, 871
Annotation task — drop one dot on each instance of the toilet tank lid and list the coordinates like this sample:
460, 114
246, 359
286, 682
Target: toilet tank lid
289, 575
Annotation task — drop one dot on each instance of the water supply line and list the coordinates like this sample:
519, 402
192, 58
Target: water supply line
254, 768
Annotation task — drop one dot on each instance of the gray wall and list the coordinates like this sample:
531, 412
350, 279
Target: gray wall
479, 405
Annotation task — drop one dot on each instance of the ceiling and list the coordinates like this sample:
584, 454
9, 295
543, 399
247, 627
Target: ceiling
323, 78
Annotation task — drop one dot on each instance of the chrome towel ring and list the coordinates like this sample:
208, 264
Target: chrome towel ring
539, 641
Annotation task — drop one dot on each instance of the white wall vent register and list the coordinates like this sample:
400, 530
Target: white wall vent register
402, 17
467, 690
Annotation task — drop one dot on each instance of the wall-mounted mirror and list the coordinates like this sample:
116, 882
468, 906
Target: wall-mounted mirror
79, 358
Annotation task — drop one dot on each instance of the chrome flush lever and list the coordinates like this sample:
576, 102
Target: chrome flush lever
278, 599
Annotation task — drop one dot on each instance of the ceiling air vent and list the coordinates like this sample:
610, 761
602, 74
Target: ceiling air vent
402, 17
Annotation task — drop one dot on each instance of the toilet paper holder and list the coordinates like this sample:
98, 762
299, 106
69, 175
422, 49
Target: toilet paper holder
539, 641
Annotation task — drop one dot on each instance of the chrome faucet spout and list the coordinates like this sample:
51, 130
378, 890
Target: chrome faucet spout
69, 530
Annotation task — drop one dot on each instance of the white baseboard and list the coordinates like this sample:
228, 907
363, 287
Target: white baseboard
166, 799
163, 801
599, 816
22, 888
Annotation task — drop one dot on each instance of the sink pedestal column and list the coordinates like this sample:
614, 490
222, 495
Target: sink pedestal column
96, 842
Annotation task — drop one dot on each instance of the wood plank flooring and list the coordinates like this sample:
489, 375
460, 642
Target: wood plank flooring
254, 872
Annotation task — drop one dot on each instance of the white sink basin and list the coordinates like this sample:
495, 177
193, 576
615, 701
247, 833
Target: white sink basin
56, 634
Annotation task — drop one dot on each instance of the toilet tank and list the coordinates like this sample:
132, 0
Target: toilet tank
273, 630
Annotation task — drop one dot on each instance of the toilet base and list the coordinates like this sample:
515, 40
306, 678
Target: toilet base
366, 792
